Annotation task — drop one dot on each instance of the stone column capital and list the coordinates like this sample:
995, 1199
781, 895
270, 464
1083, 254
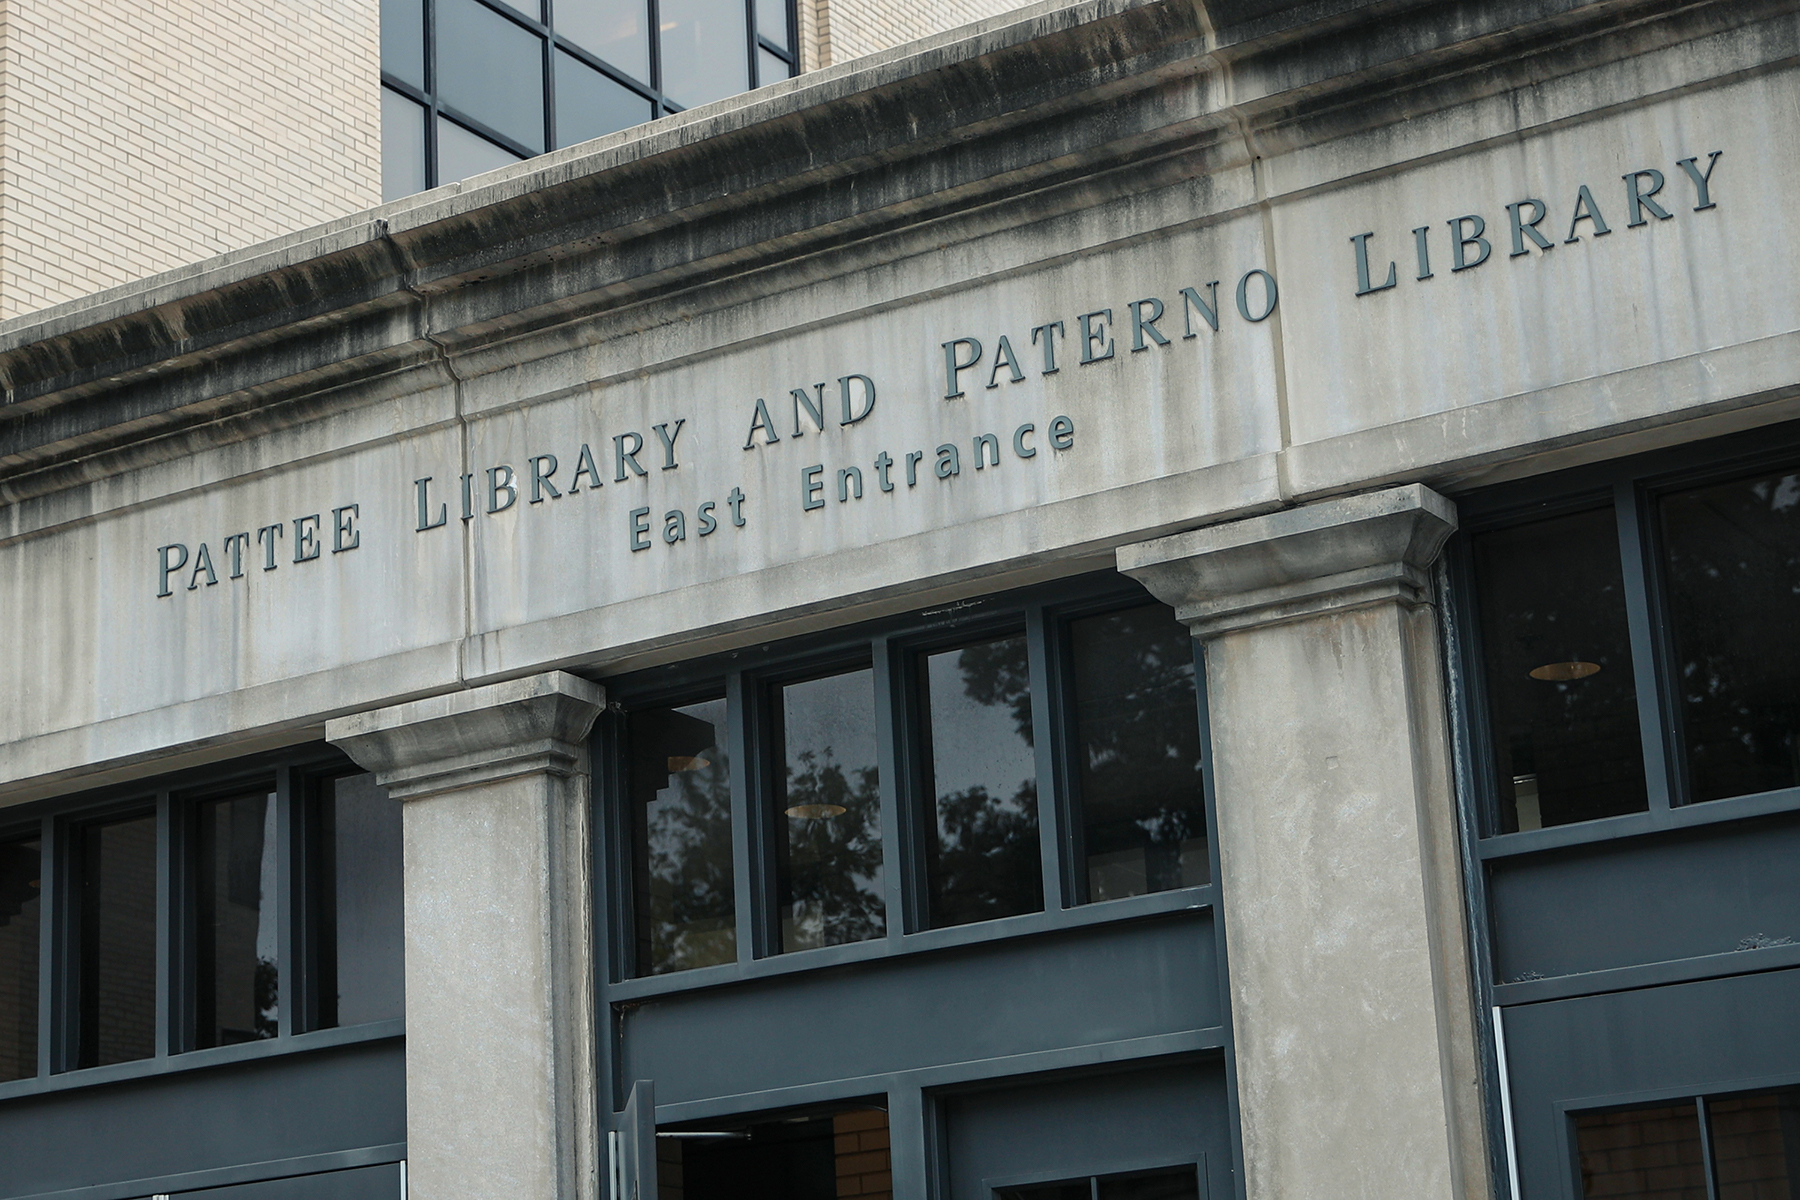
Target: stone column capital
1288, 565
535, 725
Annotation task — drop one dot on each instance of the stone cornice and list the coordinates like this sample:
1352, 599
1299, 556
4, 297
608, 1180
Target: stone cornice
1029, 105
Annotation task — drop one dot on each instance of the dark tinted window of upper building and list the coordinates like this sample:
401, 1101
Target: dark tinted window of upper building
472, 85
1637, 647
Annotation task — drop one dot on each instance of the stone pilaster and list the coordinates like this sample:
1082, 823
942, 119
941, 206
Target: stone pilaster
500, 1089
1352, 1007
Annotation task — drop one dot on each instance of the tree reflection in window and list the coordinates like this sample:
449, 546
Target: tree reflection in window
829, 876
1732, 554
1137, 725
680, 779
982, 858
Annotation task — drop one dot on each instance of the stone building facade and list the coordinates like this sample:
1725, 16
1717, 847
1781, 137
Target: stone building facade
1138, 599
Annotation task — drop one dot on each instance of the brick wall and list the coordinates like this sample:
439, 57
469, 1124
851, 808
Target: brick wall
140, 135
835, 31
860, 1141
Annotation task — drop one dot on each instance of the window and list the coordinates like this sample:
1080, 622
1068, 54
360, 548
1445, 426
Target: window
472, 85
237, 966
1743, 1147
982, 850
1173, 1183
1636, 643
218, 909
357, 911
21, 908
115, 974
680, 774
1020, 757
828, 789
816, 1154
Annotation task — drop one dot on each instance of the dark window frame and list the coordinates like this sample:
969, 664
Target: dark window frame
891, 645
549, 42
298, 777
1632, 487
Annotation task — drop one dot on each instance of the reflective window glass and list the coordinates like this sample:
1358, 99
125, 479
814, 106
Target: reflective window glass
1182, 1183
1756, 1145
235, 957
462, 154
772, 23
403, 40
841, 1155
1137, 730
1731, 554
359, 904
770, 68
1641, 1154
21, 884
589, 105
982, 843
704, 50
1561, 694
116, 962
491, 70
615, 30
828, 808
680, 784
402, 146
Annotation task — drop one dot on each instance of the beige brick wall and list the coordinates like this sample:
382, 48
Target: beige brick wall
139, 135
835, 31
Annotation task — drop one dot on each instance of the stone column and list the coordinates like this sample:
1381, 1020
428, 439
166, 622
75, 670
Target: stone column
1351, 1001
500, 1088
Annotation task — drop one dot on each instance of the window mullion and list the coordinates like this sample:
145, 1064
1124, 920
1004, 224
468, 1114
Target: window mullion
1708, 1158
1654, 729
749, 840
1054, 825
171, 947
896, 863
287, 908
53, 915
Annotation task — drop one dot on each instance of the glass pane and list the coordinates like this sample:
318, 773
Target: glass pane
361, 917
615, 30
402, 146
681, 838
705, 50
814, 1156
1181, 1183
1732, 554
1079, 1189
772, 23
403, 40
770, 68
829, 809
589, 105
234, 946
462, 154
1642, 1154
1754, 1138
1137, 732
491, 70
982, 852
118, 941
1562, 700
21, 882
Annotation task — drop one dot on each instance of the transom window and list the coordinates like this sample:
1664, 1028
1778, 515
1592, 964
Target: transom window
471, 85
1170, 1183
227, 907
1732, 1147
992, 760
1637, 641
